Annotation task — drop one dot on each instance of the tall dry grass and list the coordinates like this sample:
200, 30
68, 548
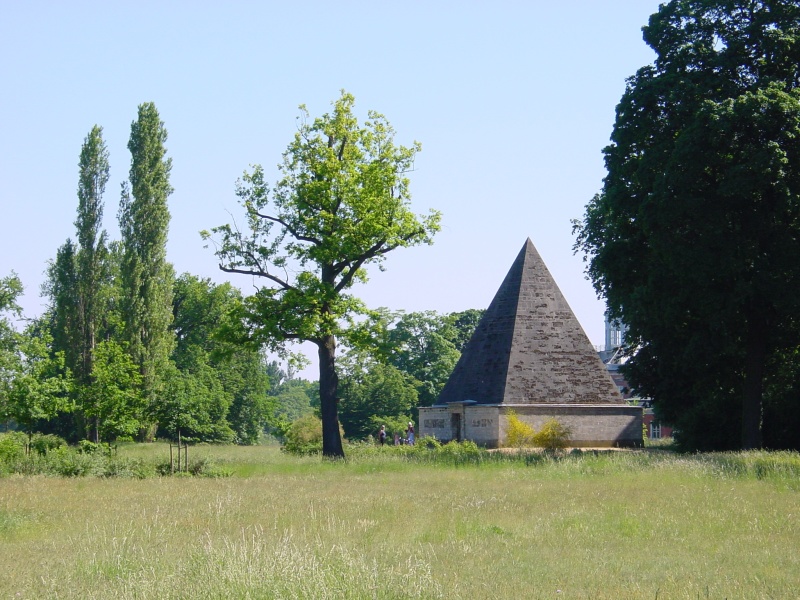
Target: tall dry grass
612, 525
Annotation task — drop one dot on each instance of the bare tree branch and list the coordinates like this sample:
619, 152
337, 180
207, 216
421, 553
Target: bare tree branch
295, 234
259, 273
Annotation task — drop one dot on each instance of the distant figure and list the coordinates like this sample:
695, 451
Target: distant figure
396, 439
410, 433
382, 435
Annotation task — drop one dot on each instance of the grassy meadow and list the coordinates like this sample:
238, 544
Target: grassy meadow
614, 525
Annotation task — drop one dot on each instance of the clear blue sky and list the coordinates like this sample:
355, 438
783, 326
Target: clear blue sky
512, 101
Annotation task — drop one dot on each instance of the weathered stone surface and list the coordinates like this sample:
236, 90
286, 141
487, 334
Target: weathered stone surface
592, 425
596, 425
530, 354
529, 348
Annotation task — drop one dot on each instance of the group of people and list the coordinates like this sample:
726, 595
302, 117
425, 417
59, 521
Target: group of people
408, 439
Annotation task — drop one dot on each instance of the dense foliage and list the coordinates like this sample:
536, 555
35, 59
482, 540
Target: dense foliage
694, 239
145, 275
124, 349
10, 291
401, 362
374, 394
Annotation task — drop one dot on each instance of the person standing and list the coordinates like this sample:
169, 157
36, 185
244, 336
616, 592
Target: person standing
410, 433
382, 435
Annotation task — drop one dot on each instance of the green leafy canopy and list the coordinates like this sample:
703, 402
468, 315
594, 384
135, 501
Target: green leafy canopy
694, 239
342, 203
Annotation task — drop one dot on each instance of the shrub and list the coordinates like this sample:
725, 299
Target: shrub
304, 436
428, 442
69, 463
44, 443
518, 433
208, 467
128, 467
460, 452
87, 447
552, 436
12, 446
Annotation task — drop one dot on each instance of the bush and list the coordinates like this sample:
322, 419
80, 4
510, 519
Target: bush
460, 452
208, 467
44, 443
304, 436
12, 446
87, 447
128, 467
70, 463
552, 436
428, 442
518, 433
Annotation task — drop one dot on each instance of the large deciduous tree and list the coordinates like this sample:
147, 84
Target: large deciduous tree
342, 204
41, 389
146, 275
695, 236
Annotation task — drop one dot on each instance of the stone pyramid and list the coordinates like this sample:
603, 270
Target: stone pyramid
529, 348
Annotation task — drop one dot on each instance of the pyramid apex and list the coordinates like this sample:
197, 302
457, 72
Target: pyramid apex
529, 347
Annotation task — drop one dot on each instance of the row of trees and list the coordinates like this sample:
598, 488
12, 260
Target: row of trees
693, 242
126, 348
695, 238
214, 390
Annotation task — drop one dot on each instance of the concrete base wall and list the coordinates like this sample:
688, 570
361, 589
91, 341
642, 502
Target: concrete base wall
592, 425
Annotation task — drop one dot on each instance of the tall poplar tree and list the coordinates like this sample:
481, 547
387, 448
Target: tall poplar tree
91, 268
78, 275
146, 275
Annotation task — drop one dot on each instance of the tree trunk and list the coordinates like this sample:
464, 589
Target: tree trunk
328, 389
756, 352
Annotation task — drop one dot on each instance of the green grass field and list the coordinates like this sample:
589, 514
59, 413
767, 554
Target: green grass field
615, 525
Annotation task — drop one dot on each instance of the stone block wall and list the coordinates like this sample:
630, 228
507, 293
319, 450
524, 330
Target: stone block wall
603, 426
612, 426
482, 424
435, 421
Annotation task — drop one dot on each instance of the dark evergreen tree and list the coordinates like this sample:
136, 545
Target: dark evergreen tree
694, 238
